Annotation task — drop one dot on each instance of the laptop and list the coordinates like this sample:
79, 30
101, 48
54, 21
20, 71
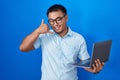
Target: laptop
101, 50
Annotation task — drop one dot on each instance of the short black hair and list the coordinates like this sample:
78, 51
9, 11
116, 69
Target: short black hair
57, 7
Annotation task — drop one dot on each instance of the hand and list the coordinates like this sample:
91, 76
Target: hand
97, 67
43, 28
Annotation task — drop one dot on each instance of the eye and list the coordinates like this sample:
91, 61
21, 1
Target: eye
50, 21
58, 19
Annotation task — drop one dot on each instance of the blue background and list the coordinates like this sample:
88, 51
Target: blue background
96, 20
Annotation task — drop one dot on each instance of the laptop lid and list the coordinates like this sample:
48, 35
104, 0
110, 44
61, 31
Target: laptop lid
101, 50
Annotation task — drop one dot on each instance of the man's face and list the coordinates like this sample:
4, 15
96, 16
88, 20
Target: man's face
58, 21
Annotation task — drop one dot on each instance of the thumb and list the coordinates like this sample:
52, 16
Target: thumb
42, 21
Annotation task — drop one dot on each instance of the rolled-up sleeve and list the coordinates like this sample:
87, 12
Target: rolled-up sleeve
38, 42
83, 53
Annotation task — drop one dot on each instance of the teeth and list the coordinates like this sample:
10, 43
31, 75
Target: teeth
57, 27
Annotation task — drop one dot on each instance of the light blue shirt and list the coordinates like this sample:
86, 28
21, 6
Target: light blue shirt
58, 53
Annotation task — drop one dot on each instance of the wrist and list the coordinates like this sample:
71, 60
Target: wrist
38, 31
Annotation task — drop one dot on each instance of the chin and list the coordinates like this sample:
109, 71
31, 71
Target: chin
58, 32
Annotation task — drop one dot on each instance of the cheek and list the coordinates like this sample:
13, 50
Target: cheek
63, 23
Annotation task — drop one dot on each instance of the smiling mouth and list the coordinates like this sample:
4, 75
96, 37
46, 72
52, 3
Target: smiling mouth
57, 27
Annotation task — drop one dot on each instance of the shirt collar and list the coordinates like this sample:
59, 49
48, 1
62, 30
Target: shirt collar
69, 33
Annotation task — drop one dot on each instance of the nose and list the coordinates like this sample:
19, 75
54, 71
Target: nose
55, 23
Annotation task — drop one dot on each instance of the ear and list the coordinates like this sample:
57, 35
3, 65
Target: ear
66, 18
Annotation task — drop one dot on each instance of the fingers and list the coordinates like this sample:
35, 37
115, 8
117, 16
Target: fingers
42, 21
103, 63
93, 68
97, 67
44, 28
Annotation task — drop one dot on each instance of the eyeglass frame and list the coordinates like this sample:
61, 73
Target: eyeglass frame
55, 20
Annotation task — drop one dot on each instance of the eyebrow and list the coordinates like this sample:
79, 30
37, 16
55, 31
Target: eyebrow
54, 19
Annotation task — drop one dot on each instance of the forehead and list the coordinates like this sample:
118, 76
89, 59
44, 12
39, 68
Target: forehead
55, 14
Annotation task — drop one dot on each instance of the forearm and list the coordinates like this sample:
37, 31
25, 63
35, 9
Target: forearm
27, 43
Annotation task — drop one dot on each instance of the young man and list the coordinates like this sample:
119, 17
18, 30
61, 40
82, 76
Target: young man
60, 47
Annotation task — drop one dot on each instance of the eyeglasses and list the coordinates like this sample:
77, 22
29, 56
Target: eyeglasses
58, 20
